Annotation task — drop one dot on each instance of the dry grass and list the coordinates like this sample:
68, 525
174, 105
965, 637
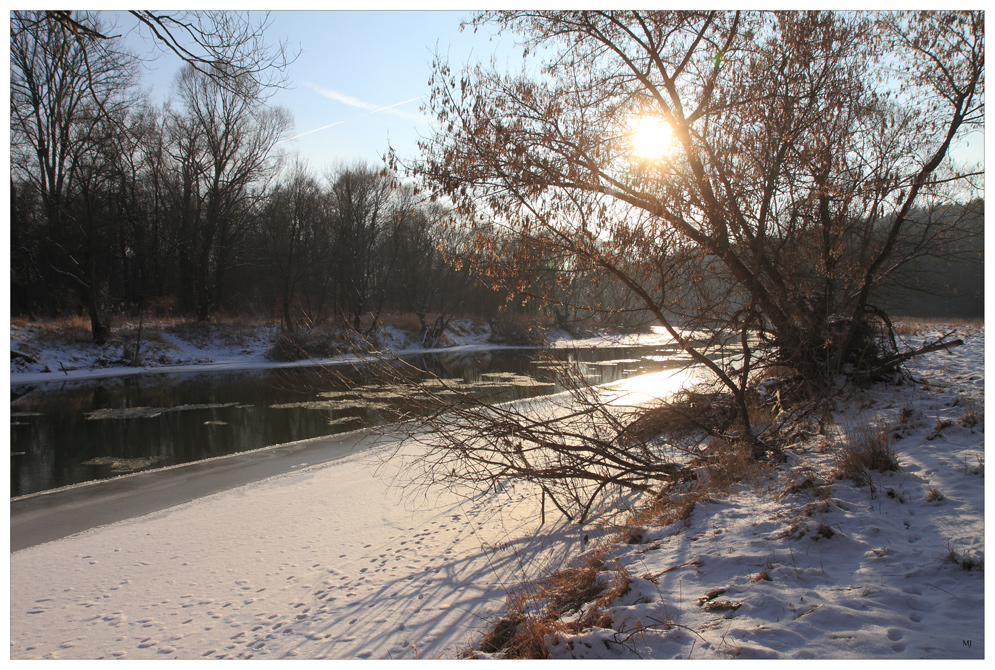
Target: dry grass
62, 331
535, 611
305, 343
729, 463
406, 323
867, 449
762, 576
774, 371
721, 465
231, 331
972, 416
965, 560
910, 325
687, 416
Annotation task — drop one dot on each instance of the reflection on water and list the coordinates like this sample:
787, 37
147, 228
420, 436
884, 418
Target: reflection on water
74, 432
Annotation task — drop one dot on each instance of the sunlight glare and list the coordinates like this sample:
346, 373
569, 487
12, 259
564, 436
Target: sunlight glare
649, 387
651, 137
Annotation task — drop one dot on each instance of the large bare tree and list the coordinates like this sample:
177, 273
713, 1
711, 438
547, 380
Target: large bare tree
223, 139
65, 103
805, 146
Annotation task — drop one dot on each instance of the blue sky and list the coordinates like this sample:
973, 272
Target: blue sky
360, 77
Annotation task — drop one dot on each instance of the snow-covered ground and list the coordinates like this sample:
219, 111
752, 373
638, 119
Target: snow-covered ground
180, 348
327, 562
331, 561
800, 565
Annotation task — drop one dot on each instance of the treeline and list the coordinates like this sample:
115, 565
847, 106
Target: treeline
947, 279
118, 206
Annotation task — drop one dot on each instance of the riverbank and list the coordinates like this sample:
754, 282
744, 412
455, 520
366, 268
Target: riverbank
825, 555
333, 561
341, 560
52, 352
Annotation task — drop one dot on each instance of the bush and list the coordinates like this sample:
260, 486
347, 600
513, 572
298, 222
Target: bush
303, 343
514, 330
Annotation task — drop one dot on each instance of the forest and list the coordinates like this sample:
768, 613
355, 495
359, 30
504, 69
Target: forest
191, 208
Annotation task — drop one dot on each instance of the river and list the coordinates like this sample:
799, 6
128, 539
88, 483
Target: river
72, 432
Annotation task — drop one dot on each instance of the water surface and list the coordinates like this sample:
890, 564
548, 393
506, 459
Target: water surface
72, 432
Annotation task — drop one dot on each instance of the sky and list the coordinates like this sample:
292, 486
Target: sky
359, 80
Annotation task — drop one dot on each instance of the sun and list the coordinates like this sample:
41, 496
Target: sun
651, 137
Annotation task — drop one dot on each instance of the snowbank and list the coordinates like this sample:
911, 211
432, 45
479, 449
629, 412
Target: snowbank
213, 349
327, 562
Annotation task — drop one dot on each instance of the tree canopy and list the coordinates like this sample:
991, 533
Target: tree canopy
808, 148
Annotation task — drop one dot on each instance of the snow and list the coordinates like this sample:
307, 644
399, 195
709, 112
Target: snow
242, 349
325, 562
778, 569
334, 561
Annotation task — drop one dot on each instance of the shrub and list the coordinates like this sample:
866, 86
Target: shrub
516, 330
965, 560
303, 343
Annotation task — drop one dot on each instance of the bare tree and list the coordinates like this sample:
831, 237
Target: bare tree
222, 145
297, 224
64, 102
809, 152
802, 143
364, 204
228, 47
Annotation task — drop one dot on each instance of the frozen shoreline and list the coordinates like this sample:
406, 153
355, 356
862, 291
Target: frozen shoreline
190, 357
252, 363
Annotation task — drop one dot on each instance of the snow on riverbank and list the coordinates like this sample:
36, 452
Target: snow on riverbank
211, 348
331, 562
797, 564
327, 562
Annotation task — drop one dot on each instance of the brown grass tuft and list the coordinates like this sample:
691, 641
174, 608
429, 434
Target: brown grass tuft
966, 560
971, 418
867, 449
535, 611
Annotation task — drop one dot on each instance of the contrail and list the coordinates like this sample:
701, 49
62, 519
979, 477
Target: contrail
362, 104
354, 102
311, 131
